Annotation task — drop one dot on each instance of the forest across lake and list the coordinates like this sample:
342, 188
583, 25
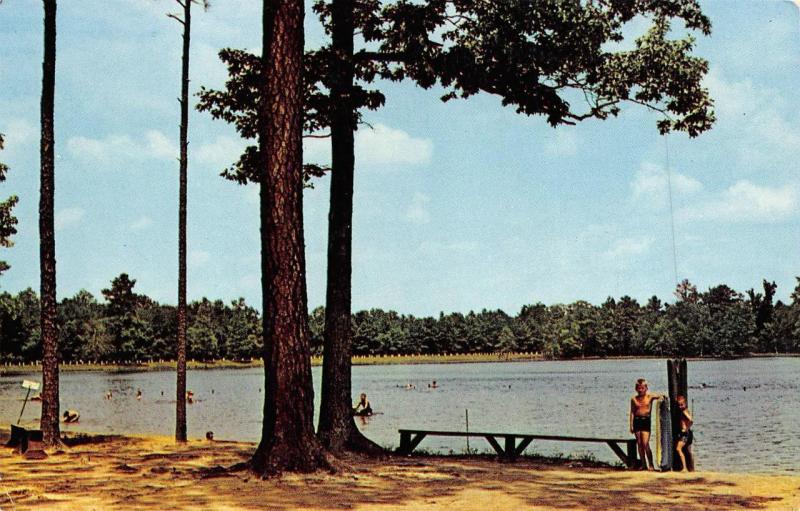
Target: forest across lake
128, 327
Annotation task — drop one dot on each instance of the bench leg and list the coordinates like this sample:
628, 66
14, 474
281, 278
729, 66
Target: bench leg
525, 442
633, 453
510, 448
618, 451
405, 441
493, 442
408, 444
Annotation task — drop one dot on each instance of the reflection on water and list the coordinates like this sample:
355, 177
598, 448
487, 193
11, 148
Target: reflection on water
746, 411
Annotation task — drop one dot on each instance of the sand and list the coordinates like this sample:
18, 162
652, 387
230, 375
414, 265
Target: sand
125, 473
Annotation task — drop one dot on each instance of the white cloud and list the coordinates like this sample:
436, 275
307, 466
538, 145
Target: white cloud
205, 62
198, 258
116, 148
141, 223
650, 185
565, 143
68, 217
753, 122
628, 247
383, 145
417, 212
380, 145
438, 248
317, 150
99, 150
747, 202
17, 133
219, 154
159, 146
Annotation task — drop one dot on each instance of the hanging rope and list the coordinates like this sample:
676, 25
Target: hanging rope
671, 212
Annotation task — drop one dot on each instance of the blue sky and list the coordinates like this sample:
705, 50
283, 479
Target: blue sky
458, 206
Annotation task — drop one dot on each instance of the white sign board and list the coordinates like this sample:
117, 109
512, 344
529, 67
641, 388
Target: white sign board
32, 385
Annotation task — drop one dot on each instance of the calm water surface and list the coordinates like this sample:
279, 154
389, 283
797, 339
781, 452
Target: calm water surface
746, 411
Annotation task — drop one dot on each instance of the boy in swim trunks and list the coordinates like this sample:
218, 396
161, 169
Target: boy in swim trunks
640, 421
683, 444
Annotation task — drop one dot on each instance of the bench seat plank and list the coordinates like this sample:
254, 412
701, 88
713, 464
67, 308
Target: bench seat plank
410, 439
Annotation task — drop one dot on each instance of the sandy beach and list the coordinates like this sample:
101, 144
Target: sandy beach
126, 473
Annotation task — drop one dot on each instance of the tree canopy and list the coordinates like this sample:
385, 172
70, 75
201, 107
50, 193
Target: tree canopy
564, 60
8, 221
92, 330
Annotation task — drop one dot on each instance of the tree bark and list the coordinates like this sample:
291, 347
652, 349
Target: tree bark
337, 428
287, 437
180, 408
47, 244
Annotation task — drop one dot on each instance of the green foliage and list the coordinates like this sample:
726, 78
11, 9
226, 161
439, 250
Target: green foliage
8, 221
19, 327
129, 327
539, 57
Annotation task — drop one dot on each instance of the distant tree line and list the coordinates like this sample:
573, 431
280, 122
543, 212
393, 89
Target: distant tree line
130, 327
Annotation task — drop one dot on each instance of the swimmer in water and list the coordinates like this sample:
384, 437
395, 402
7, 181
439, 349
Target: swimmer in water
362, 406
71, 416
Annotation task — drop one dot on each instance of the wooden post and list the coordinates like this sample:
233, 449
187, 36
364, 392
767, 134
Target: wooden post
677, 379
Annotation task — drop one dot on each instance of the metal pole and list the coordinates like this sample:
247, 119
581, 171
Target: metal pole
23, 406
466, 412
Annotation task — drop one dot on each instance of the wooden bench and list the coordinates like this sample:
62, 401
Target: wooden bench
410, 439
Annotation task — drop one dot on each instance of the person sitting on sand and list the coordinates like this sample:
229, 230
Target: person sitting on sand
362, 406
190, 397
683, 443
139, 394
640, 421
71, 416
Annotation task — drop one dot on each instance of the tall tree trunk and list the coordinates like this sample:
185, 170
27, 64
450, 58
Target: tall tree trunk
180, 407
337, 429
47, 243
287, 437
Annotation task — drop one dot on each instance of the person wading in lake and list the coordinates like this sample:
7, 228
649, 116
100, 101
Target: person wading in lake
362, 406
640, 421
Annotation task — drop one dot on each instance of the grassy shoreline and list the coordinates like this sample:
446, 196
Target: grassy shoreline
168, 365
133, 473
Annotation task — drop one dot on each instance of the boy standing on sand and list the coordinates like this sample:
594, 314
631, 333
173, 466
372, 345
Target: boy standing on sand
685, 438
640, 421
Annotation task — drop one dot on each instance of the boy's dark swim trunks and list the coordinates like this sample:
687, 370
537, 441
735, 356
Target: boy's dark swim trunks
686, 436
641, 423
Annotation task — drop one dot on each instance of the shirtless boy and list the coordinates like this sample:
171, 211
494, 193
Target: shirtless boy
685, 438
640, 421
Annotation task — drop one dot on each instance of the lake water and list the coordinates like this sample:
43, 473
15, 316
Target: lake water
746, 411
